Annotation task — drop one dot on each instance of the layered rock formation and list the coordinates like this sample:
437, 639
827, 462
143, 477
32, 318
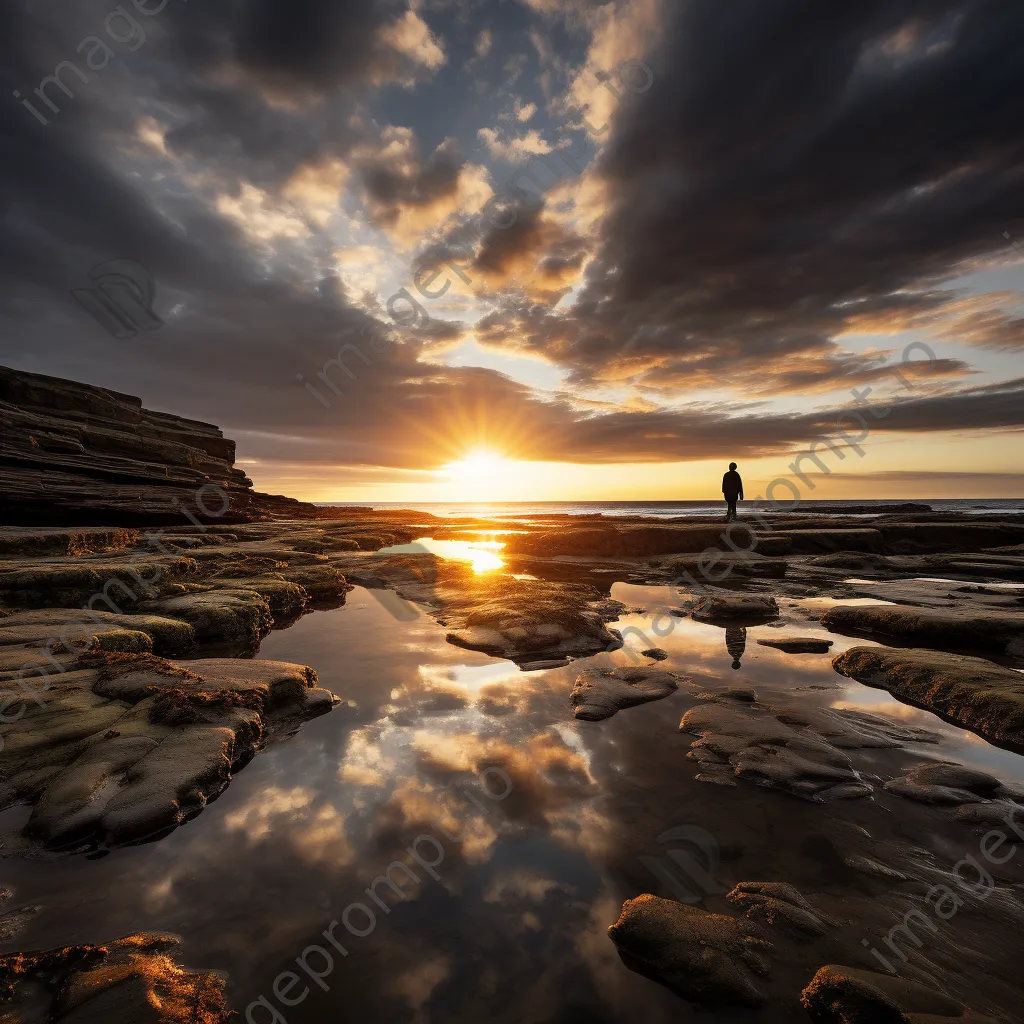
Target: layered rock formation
74, 454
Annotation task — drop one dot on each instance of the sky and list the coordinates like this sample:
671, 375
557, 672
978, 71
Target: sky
483, 250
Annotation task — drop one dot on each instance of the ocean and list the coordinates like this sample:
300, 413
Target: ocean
674, 509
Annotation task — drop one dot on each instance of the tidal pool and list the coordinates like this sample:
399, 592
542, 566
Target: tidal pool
523, 828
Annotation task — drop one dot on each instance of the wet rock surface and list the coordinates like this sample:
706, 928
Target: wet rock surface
599, 695
630, 540
122, 747
708, 959
848, 995
965, 617
936, 781
798, 644
975, 693
125, 749
736, 609
981, 631
135, 980
802, 752
781, 905
525, 621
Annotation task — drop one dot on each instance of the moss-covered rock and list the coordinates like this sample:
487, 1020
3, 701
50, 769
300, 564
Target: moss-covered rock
51, 627
235, 618
977, 694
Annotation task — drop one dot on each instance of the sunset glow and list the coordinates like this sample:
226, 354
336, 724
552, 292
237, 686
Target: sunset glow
483, 475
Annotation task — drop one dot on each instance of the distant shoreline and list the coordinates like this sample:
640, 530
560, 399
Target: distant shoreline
865, 506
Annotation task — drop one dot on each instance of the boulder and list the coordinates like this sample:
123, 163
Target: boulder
655, 654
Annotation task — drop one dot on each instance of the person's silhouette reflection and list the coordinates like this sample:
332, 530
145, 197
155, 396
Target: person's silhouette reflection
735, 643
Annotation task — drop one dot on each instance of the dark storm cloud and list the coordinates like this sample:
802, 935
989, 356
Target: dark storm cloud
749, 222
319, 42
701, 432
796, 167
392, 181
795, 376
305, 45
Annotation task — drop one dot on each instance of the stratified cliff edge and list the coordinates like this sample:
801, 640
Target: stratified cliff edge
74, 454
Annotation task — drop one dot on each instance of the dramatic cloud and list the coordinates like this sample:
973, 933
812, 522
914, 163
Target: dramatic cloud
792, 171
410, 197
764, 212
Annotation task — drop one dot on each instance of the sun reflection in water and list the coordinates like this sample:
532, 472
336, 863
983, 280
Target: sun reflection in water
482, 555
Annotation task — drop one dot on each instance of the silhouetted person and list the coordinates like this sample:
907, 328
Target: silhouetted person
732, 491
736, 643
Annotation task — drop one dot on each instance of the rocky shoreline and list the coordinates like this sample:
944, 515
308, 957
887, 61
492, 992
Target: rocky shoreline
131, 699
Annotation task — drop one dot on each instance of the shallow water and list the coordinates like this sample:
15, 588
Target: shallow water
482, 555
514, 925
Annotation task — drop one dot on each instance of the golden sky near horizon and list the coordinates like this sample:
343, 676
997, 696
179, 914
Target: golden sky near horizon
542, 250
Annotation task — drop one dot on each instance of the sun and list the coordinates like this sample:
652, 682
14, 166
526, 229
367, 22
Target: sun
480, 472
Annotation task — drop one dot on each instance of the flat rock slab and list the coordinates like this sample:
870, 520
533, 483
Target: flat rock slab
125, 747
823, 540
945, 782
57, 582
599, 695
977, 694
735, 609
631, 541
959, 628
799, 644
744, 694
708, 959
932, 593
28, 540
954, 536
716, 564
231, 616
50, 627
799, 751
